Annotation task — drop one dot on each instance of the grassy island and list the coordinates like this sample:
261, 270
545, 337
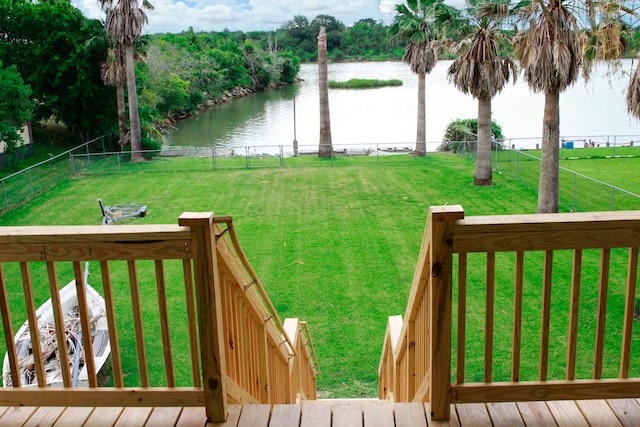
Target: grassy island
364, 83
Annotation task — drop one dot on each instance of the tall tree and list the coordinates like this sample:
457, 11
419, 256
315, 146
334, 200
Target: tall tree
550, 57
415, 22
125, 20
482, 72
45, 40
15, 108
113, 73
326, 147
552, 53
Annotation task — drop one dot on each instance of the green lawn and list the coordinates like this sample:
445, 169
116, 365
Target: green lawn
335, 246
613, 166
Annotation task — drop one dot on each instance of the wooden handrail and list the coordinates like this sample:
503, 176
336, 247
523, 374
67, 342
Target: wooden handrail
254, 277
230, 337
449, 244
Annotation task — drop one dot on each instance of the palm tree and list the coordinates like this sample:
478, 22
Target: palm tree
553, 52
633, 92
325, 149
125, 19
550, 55
482, 72
114, 74
415, 22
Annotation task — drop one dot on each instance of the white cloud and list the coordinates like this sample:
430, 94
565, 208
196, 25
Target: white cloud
388, 6
170, 16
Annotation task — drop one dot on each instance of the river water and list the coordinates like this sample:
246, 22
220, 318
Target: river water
388, 115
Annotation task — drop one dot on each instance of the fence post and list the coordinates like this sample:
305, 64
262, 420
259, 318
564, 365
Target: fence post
518, 165
439, 294
209, 305
118, 159
246, 149
613, 197
31, 182
4, 194
573, 203
281, 156
213, 157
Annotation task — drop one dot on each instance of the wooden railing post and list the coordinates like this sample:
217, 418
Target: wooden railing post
292, 329
209, 306
439, 291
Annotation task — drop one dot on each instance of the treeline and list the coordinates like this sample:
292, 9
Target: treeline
179, 72
61, 56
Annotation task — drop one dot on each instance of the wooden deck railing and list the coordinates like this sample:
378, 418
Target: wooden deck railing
516, 308
189, 321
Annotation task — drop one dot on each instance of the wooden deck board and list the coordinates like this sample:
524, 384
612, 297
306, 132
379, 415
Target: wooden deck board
232, 418
45, 417
72, 417
410, 415
285, 416
380, 415
133, 417
347, 414
567, 413
505, 414
164, 417
627, 411
16, 416
192, 417
599, 413
314, 415
474, 414
254, 416
536, 414
104, 417
342, 413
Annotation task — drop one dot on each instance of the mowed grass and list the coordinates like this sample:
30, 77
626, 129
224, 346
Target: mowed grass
613, 166
335, 246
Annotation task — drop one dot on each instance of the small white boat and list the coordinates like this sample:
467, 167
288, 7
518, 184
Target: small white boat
48, 341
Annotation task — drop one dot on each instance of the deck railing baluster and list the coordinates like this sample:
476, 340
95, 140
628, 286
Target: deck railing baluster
574, 309
517, 316
164, 323
603, 291
629, 307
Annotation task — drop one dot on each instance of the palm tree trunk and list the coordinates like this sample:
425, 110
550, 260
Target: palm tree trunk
550, 162
483, 174
122, 123
134, 116
421, 145
325, 150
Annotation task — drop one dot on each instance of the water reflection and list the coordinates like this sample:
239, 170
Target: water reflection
388, 115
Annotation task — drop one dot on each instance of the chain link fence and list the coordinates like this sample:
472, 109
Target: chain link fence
185, 158
577, 191
21, 186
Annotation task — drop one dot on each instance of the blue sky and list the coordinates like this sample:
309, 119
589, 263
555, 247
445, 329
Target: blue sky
173, 16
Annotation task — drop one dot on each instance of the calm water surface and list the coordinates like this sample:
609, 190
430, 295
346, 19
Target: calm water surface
388, 115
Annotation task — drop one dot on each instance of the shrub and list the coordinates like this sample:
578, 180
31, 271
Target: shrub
461, 136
